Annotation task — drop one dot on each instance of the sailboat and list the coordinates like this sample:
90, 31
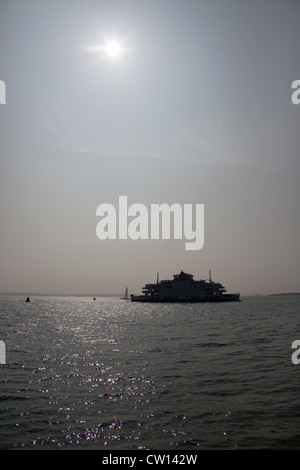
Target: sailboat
126, 296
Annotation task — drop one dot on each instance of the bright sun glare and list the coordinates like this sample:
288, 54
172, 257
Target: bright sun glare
113, 49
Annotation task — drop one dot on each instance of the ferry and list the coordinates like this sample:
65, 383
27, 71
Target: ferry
183, 288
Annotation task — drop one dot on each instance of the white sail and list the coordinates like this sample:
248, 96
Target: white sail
126, 295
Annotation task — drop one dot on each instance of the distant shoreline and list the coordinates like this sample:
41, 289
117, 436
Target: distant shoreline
287, 293
36, 294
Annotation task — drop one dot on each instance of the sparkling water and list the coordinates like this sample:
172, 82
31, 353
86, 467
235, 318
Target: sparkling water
110, 374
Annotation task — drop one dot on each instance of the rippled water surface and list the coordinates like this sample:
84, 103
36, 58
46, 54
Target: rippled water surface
111, 374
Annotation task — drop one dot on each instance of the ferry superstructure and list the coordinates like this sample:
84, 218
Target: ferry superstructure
183, 288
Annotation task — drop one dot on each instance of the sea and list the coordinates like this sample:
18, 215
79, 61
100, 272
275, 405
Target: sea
108, 374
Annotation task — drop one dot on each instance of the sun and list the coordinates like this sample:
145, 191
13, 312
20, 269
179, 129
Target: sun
113, 49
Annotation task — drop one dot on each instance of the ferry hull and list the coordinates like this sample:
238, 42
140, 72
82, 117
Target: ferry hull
225, 298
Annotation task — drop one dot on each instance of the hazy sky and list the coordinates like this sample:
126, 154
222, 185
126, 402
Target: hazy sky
196, 109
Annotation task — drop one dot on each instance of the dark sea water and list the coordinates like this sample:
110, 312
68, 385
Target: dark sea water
110, 374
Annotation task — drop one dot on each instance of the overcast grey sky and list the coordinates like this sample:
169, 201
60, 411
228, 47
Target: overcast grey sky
197, 109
